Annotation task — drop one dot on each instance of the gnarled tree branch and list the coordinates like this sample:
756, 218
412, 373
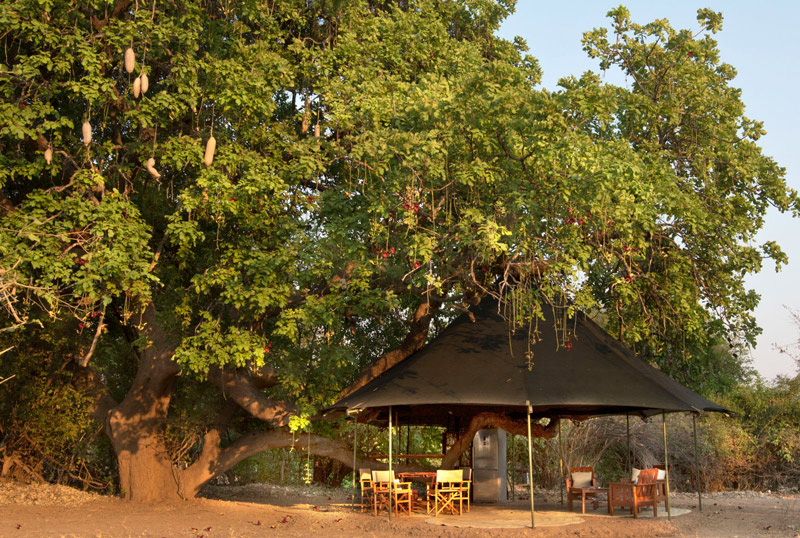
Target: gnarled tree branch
494, 420
243, 390
418, 333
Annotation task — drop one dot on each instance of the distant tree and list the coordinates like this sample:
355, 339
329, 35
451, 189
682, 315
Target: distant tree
376, 164
792, 348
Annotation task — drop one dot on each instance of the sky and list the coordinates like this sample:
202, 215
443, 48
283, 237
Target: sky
758, 39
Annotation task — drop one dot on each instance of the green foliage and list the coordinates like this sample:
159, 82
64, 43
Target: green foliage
760, 445
45, 422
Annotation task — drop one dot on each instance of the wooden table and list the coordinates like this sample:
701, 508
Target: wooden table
592, 492
425, 477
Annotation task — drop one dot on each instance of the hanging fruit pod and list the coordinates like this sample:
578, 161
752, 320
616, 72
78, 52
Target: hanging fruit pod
130, 60
145, 83
137, 87
316, 130
211, 146
87, 133
48, 155
151, 163
306, 116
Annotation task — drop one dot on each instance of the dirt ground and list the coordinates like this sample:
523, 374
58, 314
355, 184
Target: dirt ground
260, 510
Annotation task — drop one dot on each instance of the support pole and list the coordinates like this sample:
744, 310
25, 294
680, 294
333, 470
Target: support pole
530, 461
560, 462
666, 463
628, 458
697, 463
355, 444
391, 482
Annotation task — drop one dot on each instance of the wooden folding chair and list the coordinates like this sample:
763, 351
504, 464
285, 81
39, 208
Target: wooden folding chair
367, 490
385, 487
466, 484
381, 490
446, 492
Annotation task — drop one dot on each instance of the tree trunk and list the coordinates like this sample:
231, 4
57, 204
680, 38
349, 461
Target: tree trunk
146, 474
136, 425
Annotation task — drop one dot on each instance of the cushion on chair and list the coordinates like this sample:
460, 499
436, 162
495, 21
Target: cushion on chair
662, 474
635, 475
581, 479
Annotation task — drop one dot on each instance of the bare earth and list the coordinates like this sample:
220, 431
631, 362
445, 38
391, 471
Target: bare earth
260, 510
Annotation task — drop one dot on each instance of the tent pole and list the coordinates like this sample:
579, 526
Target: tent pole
355, 444
391, 482
666, 463
530, 461
560, 462
697, 462
628, 458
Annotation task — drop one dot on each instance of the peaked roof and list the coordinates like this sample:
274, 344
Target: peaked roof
477, 366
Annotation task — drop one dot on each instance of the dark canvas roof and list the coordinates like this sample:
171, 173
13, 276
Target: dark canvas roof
470, 367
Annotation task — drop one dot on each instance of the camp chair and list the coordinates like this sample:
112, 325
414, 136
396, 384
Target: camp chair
466, 484
446, 492
385, 486
580, 477
367, 490
661, 481
635, 495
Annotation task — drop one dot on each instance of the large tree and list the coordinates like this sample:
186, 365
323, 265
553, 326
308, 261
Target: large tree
377, 165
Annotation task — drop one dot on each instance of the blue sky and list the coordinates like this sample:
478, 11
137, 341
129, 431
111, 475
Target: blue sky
759, 40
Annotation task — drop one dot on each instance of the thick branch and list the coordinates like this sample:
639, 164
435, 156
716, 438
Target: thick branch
494, 420
242, 390
215, 460
418, 333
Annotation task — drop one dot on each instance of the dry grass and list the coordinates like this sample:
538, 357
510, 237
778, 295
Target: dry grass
13, 492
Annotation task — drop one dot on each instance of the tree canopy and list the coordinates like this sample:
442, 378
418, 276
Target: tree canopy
377, 165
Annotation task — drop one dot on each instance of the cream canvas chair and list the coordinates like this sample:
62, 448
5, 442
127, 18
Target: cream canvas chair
367, 491
466, 484
386, 487
446, 492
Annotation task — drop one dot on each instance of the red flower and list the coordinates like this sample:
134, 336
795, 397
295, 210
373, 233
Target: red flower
385, 254
233, 199
310, 198
416, 265
580, 222
416, 207
406, 207
569, 346
391, 250
81, 325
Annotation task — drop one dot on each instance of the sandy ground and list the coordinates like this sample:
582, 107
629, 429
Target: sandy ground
255, 511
